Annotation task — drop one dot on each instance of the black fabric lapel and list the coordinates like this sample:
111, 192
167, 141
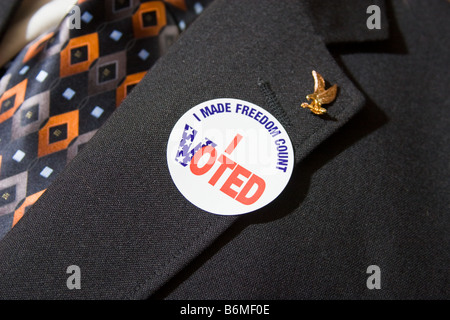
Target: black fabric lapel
115, 211
346, 20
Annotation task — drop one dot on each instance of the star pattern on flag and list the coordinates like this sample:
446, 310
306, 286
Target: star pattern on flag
184, 155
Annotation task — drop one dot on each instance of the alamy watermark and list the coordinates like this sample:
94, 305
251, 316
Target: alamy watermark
74, 18
374, 20
74, 280
374, 280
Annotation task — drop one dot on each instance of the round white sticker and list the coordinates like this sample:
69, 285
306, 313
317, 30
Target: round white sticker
229, 156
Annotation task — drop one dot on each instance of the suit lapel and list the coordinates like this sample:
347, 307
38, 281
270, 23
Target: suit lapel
115, 211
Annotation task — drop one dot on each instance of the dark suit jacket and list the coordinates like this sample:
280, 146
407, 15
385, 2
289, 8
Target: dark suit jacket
370, 184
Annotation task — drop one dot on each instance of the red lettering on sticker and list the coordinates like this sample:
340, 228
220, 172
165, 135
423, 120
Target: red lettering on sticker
233, 179
239, 176
225, 163
254, 180
234, 144
195, 169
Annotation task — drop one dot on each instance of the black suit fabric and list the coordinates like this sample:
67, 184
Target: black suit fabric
370, 183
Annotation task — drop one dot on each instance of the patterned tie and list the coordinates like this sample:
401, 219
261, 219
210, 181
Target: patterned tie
64, 85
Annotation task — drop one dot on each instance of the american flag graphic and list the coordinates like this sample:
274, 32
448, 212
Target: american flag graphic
185, 153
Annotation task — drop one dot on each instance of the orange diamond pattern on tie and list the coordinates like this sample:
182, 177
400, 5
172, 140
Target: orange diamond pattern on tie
125, 88
149, 19
78, 55
65, 84
11, 100
57, 134
36, 47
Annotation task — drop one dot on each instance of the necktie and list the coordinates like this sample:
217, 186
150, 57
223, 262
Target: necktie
64, 85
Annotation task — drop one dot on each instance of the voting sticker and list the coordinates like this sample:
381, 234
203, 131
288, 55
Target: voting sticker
229, 156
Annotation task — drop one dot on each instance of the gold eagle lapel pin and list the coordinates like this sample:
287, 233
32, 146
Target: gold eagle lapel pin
320, 95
